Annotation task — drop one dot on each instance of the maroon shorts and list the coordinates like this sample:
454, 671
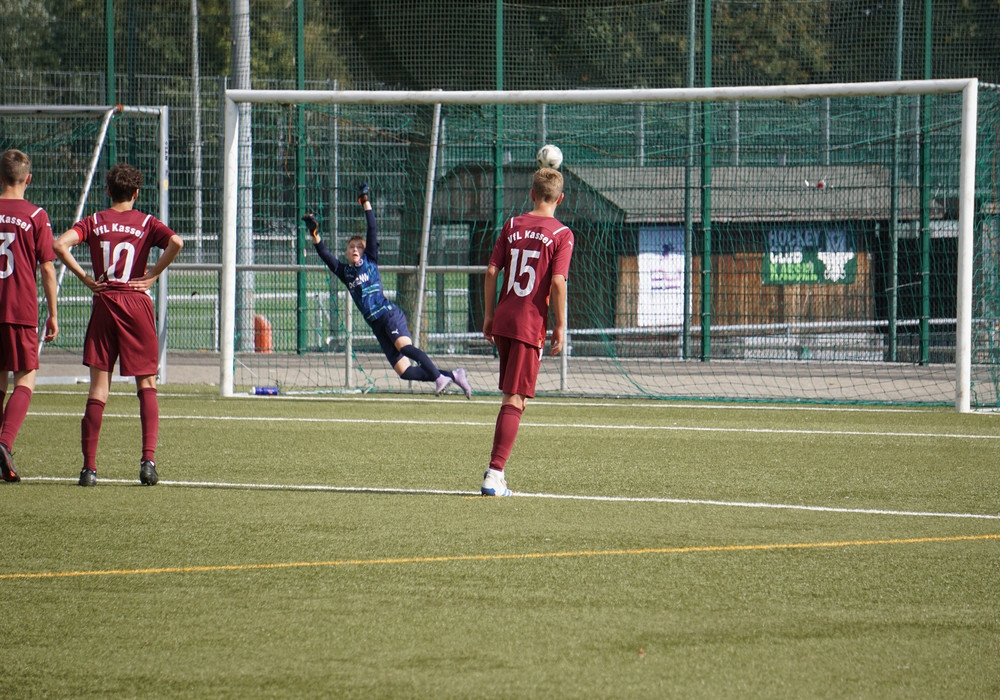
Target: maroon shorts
18, 348
519, 363
122, 329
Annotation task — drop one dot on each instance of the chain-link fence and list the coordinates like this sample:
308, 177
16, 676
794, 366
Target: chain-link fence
180, 54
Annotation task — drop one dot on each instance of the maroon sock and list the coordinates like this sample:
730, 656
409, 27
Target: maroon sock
90, 431
14, 413
149, 418
508, 421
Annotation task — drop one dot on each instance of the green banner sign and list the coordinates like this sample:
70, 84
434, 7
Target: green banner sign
809, 256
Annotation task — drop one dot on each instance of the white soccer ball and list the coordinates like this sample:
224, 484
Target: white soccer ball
549, 156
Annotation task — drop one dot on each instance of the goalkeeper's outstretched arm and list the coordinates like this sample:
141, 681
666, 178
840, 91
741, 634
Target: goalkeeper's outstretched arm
312, 226
371, 239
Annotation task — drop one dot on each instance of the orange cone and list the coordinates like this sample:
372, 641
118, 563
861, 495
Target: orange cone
262, 338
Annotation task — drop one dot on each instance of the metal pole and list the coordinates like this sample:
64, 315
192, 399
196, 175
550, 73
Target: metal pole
826, 131
245, 245
302, 302
87, 183
89, 178
164, 192
196, 132
426, 224
706, 197
498, 212
894, 195
925, 198
227, 289
966, 214
640, 134
689, 191
109, 37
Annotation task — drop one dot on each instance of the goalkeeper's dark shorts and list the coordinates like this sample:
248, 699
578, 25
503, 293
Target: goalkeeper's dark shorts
388, 328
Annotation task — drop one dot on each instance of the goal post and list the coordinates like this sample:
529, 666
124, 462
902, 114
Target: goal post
612, 337
51, 135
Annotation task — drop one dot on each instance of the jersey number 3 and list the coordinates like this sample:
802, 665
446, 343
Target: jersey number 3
6, 266
521, 279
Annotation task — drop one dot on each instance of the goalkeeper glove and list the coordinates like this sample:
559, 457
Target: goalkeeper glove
311, 224
363, 193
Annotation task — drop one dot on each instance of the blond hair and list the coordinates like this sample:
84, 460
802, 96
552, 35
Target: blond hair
15, 167
547, 185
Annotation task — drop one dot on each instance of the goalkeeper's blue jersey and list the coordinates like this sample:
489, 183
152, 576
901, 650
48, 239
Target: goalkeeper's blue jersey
363, 280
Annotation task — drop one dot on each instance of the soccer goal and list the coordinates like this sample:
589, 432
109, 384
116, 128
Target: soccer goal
69, 145
782, 243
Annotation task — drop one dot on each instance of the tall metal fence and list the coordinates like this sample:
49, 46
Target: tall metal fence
180, 54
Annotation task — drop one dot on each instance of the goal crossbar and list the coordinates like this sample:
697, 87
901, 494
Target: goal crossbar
968, 87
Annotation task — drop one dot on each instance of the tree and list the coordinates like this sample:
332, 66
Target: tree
25, 36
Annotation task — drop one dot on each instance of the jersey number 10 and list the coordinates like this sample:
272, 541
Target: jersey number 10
112, 258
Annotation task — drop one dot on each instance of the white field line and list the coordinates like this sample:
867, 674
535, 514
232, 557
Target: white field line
558, 426
543, 401
553, 496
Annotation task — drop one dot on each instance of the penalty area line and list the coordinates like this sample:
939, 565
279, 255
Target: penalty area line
552, 496
498, 557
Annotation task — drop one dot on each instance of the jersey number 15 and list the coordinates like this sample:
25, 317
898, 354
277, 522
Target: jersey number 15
521, 278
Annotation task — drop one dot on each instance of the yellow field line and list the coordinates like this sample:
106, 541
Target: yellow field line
497, 557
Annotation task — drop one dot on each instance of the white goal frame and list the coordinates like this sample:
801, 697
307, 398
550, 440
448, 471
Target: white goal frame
968, 87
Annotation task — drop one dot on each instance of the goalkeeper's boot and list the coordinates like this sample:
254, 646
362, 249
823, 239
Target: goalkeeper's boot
494, 484
7, 471
462, 379
88, 477
441, 383
147, 473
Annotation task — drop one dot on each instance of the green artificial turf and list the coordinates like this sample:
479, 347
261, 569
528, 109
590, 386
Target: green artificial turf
335, 547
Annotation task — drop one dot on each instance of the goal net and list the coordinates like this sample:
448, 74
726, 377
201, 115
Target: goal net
790, 243
71, 148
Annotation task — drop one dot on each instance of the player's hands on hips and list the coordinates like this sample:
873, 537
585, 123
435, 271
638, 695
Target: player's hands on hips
312, 226
363, 190
142, 284
93, 285
557, 340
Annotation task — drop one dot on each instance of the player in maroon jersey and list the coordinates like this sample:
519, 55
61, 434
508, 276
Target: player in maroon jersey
121, 325
25, 244
534, 252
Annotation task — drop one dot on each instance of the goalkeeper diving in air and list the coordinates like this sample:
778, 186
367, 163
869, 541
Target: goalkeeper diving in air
359, 272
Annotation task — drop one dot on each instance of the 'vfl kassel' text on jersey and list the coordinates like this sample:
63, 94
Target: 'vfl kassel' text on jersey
25, 243
120, 242
530, 250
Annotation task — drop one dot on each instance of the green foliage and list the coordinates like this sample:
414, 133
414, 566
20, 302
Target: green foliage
24, 35
770, 42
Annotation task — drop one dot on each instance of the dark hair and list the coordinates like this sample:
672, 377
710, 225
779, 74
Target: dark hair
123, 181
15, 167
